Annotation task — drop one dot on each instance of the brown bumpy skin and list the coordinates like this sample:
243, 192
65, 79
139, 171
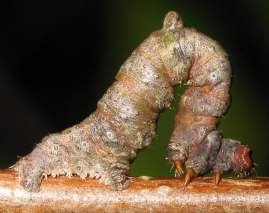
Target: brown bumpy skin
103, 144
195, 141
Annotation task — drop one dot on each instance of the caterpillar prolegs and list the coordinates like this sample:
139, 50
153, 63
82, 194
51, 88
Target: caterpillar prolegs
102, 145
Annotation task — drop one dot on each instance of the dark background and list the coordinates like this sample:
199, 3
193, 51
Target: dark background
57, 58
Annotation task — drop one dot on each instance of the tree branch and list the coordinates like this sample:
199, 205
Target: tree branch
64, 194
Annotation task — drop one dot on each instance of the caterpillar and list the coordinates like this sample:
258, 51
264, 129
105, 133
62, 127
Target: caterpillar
105, 142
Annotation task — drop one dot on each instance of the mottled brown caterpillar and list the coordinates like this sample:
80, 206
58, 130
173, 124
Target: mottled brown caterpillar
103, 144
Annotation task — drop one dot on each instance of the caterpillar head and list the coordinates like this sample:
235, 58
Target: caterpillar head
236, 157
242, 161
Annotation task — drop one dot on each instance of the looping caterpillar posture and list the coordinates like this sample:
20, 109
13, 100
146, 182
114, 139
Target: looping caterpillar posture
102, 145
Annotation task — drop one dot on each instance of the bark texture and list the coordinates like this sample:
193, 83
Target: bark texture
64, 194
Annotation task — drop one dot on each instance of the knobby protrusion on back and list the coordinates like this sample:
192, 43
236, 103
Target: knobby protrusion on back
172, 21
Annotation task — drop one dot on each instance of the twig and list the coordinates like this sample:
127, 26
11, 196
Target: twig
64, 194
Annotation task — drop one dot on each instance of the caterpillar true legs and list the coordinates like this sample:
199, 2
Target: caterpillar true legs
102, 145
195, 140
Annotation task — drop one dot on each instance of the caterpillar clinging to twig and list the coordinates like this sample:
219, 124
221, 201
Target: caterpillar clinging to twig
102, 145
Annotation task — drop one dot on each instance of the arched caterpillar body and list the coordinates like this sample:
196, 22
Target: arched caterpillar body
102, 145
